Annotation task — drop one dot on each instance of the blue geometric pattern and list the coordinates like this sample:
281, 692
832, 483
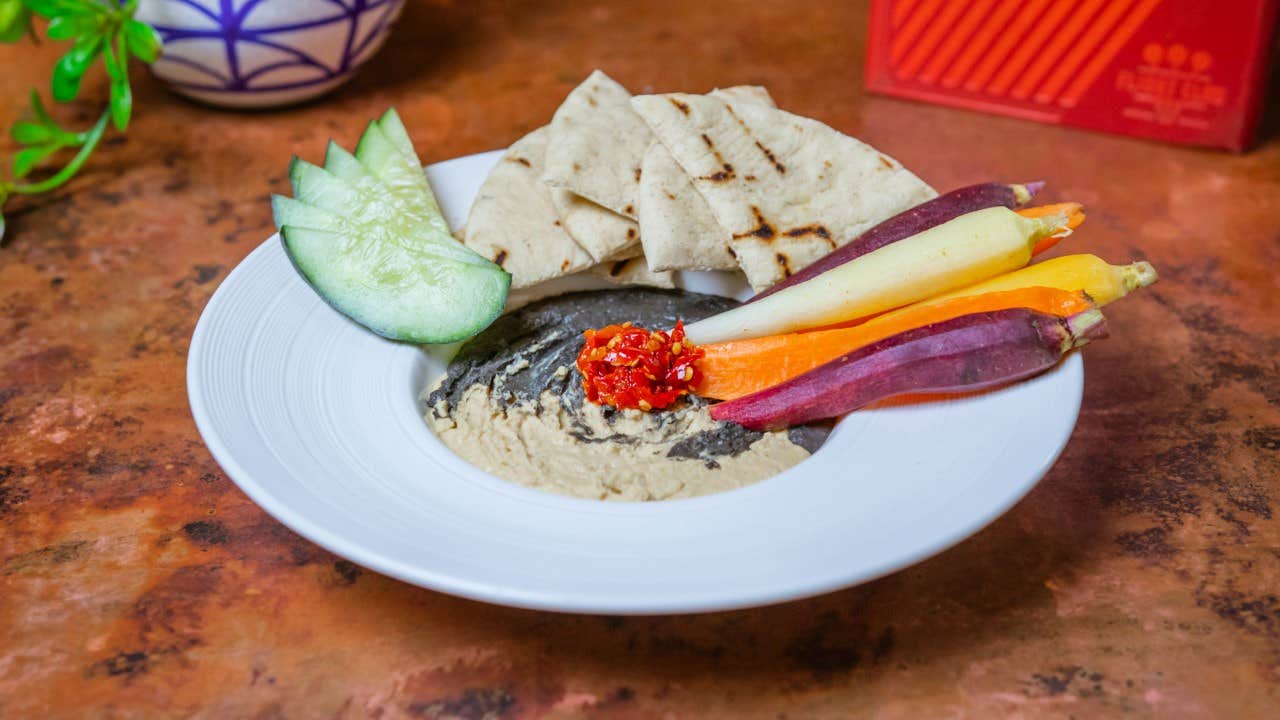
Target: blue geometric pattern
316, 43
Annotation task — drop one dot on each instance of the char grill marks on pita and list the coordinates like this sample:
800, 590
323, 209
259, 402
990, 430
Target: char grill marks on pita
786, 189
680, 231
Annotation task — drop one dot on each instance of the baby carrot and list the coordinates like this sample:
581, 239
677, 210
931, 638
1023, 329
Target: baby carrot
966, 353
955, 254
1070, 209
1104, 283
741, 367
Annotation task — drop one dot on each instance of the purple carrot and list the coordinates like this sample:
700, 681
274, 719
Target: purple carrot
917, 219
970, 352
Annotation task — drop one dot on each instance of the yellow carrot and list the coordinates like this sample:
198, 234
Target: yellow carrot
957, 253
1103, 282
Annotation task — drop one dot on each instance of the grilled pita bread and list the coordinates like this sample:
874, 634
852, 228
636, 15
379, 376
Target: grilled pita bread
680, 231
758, 94
514, 223
596, 144
602, 233
633, 271
788, 189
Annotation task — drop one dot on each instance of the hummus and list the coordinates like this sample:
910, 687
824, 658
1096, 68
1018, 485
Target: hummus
512, 404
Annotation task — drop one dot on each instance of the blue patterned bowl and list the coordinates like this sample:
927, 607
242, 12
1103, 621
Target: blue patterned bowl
264, 53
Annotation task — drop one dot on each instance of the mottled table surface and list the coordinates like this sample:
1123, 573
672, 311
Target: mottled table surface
1141, 578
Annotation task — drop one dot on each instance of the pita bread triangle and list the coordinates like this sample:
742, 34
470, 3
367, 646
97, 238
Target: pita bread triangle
514, 223
787, 189
680, 231
596, 143
601, 232
633, 271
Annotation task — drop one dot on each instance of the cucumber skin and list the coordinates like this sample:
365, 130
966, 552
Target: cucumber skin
422, 339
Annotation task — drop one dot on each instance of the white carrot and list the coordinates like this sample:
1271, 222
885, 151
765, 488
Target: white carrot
960, 252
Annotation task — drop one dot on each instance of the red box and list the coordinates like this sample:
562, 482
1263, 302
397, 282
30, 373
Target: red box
1176, 70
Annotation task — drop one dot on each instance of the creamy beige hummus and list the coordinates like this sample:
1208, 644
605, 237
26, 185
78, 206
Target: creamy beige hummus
542, 445
512, 404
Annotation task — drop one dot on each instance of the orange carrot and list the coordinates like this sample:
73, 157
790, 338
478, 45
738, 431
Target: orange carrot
740, 367
1074, 218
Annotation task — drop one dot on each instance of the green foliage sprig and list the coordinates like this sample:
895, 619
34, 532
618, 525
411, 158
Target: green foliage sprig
103, 29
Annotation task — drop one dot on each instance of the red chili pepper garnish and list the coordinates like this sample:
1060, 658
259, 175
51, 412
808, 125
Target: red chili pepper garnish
629, 367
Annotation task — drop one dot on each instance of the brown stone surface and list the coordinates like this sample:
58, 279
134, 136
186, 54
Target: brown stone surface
1140, 579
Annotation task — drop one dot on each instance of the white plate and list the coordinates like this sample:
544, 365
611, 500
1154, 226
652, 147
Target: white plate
317, 421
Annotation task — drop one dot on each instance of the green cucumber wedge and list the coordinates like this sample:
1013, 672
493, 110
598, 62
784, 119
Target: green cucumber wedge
295, 213
395, 291
393, 127
402, 177
395, 131
290, 212
316, 186
416, 198
366, 233
374, 211
344, 166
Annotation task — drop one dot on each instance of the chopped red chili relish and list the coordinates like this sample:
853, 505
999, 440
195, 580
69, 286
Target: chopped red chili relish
630, 367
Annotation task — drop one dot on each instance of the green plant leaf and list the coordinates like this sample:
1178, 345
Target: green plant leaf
143, 41
29, 133
66, 81
96, 7
121, 105
114, 70
72, 66
50, 9
42, 115
88, 143
15, 20
121, 94
26, 159
64, 27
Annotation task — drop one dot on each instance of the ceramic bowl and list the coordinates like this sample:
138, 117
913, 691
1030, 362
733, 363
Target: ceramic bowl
265, 53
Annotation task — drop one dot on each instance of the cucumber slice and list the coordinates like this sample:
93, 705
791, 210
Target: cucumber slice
417, 201
343, 165
366, 233
372, 213
403, 178
315, 186
396, 133
295, 213
398, 292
